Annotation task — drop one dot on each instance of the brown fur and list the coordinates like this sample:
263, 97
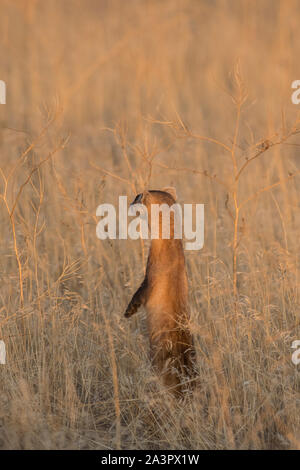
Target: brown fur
164, 293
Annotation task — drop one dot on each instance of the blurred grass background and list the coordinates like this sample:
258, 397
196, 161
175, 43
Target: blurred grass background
101, 86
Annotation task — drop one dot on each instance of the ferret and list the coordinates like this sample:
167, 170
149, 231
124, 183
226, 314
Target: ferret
164, 294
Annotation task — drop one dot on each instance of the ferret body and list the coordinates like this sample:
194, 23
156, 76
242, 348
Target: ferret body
164, 293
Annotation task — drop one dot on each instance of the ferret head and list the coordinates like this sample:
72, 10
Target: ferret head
165, 196
147, 199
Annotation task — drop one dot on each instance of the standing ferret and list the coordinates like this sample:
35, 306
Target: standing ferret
164, 293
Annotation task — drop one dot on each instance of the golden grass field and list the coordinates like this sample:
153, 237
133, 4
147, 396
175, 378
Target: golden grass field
107, 98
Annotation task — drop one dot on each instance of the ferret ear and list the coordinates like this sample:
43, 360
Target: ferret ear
171, 191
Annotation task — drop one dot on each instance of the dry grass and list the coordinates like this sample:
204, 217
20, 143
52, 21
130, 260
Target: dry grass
104, 99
